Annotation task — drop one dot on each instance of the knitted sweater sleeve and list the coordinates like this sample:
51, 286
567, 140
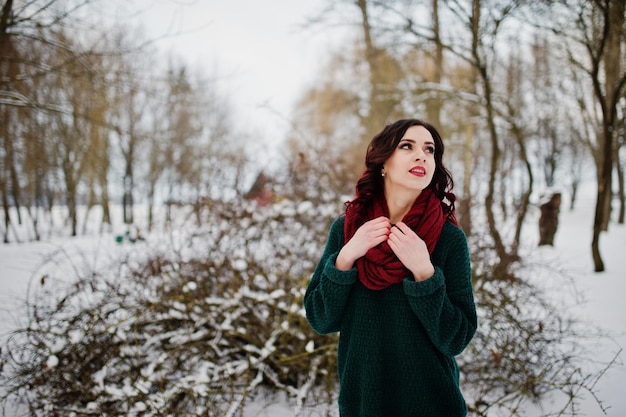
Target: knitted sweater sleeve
444, 303
329, 288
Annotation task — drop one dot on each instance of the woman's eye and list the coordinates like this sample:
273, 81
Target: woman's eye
430, 149
405, 145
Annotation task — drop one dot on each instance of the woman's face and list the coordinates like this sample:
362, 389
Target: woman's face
412, 165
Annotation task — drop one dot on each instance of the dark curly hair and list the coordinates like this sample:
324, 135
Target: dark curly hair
371, 184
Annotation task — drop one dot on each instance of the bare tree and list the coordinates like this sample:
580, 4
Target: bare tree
326, 145
620, 161
384, 74
24, 27
45, 94
516, 109
47, 49
476, 29
184, 154
72, 133
594, 33
606, 51
129, 95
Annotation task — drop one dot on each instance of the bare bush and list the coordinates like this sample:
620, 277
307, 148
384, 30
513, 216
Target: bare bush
528, 347
206, 325
191, 331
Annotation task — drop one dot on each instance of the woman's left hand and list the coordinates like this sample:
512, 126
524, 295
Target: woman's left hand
411, 250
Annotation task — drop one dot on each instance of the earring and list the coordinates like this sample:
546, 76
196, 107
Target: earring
382, 172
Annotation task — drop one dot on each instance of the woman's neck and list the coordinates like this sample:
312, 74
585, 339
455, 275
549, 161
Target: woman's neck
399, 204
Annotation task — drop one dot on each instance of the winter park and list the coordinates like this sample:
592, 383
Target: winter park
171, 171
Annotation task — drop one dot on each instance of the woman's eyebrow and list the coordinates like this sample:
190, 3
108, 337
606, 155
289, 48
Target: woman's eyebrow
428, 142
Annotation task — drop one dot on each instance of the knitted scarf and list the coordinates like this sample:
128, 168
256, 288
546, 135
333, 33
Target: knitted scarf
380, 267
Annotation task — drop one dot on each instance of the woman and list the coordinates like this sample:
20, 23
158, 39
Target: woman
395, 282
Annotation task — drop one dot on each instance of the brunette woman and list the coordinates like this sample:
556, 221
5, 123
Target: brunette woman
395, 281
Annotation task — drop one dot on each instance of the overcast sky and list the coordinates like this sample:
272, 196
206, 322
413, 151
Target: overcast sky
259, 48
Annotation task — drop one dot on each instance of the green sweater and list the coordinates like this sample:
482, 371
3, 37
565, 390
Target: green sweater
397, 346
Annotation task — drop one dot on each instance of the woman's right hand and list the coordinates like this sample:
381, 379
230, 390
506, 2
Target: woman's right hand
369, 235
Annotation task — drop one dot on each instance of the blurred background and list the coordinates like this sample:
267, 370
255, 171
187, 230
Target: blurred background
131, 119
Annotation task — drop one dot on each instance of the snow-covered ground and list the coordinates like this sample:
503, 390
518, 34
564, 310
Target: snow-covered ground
603, 293
599, 297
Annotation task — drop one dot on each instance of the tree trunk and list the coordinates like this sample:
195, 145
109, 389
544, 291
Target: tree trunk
150, 209
91, 202
382, 78
5, 208
521, 214
433, 105
34, 219
465, 203
71, 207
493, 135
102, 171
549, 220
106, 211
491, 190
70, 199
603, 196
613, 85
574, 189
371, 53
7, 9
620, 187
128, 202
13, 186
371, 121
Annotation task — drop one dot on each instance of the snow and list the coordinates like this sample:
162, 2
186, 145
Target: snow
599, 298
603, 293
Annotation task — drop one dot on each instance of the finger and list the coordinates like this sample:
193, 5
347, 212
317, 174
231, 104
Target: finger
380, 219
398, 234
380, 222
396, 229
402, 227
381, 226
396, 238
393, 242
372, 237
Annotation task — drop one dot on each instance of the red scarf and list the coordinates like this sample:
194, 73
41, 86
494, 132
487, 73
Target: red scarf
380, 267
